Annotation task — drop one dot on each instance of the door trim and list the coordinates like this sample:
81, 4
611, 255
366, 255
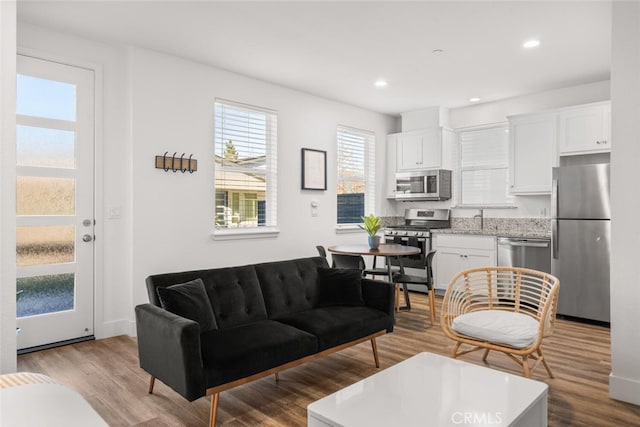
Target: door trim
98, 175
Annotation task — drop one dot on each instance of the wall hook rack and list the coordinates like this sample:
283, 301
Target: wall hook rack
175, 164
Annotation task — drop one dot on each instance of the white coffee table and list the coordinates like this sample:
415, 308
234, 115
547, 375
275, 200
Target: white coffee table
428, 390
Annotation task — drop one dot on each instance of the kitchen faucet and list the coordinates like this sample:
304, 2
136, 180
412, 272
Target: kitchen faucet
481, 216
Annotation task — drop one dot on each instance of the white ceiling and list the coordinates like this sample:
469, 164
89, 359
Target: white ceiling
338, 49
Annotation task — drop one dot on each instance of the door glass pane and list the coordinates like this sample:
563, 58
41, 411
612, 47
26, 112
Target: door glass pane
45, 245
38, 146
45, 196
45, 98
45, 294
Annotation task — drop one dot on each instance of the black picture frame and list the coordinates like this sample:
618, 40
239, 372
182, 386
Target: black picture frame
314, 169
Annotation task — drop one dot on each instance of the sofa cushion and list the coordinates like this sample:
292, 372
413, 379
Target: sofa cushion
497, 326
289, 286
245, 350
338, 286
337, 325
235, 295
189, 300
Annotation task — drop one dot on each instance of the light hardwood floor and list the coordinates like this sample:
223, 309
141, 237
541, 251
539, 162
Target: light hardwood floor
106, 373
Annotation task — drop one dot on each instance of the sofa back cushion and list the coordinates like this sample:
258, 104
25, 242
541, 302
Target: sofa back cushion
234, 293
189, 300
290, 286
339, 286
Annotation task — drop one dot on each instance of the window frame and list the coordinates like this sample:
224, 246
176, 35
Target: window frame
369, 148
270, 229
509, 200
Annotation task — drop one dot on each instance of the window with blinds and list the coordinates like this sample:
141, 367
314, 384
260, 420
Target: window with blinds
245, 166
356, 174
484, 167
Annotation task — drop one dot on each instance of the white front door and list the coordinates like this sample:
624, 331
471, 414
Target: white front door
54, 202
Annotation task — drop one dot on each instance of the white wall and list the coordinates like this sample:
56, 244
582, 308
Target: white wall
624, 382
7, 187
172, 110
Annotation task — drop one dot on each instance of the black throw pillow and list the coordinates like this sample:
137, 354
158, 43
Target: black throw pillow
339, 286
189, 300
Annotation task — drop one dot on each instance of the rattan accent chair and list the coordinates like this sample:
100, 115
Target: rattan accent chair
505, 309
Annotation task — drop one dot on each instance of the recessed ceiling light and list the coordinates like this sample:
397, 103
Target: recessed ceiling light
437, 51
380, 83
531, 43
474, 99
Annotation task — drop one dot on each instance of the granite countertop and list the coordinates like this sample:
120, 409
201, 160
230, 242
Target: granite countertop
494, 232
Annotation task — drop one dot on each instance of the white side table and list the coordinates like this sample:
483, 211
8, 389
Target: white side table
432, 390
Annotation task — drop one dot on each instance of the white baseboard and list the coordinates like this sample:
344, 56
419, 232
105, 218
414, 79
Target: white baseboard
115, 328
624, 389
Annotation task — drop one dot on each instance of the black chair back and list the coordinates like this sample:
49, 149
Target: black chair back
355, 262
321, 251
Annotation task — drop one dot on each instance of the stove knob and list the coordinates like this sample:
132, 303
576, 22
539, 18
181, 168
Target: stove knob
404, 233
419, 234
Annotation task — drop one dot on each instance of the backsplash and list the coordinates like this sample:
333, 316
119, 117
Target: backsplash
530, 227
515, 227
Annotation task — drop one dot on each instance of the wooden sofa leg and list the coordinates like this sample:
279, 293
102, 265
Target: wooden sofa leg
374, 347
277, 375
432, 307
214, 409
152, 382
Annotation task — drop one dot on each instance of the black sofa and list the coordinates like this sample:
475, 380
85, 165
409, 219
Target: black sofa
239, 324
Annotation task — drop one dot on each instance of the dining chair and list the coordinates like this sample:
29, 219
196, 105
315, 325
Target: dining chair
378, 271
400, 278
355, 262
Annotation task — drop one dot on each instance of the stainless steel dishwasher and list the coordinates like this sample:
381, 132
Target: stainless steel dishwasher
534, 253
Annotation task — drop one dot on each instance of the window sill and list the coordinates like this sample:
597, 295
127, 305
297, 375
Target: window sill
346, 229
245, 233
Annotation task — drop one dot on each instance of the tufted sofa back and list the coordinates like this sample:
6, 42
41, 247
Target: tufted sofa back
250, 293
289, 286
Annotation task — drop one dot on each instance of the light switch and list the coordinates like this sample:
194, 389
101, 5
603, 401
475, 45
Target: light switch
114, 212
314, 208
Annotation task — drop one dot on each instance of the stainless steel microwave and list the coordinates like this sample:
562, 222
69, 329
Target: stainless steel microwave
423, 185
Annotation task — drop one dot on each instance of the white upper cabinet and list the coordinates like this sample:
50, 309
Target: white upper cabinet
428, 148
533, 152
585, 129
390, 164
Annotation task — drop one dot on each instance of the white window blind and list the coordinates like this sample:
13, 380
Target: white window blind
484, 167
356, 174
245, 166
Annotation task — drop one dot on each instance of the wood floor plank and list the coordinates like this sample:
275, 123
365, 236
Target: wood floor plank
107, 374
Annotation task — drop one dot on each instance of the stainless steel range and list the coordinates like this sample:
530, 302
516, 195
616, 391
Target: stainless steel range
416, 231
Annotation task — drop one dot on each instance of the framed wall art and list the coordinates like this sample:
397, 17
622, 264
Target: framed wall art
314, 169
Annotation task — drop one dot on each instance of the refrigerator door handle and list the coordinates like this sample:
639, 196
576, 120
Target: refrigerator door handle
554, 238
554, 198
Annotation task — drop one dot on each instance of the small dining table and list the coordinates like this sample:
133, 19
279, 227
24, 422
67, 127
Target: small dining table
387, 250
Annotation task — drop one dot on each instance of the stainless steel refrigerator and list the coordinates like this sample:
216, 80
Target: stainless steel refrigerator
581, 240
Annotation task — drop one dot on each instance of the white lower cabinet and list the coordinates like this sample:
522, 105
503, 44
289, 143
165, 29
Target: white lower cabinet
458, 252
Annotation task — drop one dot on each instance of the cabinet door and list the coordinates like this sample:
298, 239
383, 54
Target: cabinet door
585, 129
449, 262
419, 150
431, 149
409, 151
533, 153
390, 165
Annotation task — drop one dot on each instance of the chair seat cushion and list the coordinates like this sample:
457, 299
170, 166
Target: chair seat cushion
500, 327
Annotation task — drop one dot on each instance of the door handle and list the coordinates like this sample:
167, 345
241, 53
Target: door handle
87, 238
554, 238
